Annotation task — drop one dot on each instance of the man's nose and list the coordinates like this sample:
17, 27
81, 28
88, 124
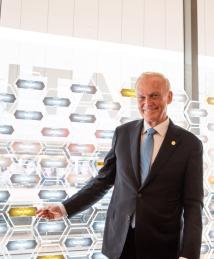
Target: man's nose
147, 100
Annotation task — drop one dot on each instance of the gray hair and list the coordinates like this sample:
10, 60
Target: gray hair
153, 74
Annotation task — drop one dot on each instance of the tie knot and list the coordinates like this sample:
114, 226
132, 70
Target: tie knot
151, 131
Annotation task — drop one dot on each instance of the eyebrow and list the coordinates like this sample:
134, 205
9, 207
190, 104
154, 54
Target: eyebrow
153, 93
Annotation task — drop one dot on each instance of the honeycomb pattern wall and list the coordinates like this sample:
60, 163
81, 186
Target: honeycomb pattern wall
56, 126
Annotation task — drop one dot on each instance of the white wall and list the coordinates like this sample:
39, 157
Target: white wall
206, 27
149, 23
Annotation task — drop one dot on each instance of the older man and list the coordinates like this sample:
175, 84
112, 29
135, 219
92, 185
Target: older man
156, 170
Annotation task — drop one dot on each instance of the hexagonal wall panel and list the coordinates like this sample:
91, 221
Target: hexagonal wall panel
50, 231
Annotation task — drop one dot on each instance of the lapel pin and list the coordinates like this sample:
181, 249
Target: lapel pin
173, 142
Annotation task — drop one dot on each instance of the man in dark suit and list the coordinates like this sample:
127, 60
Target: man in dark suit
152, 216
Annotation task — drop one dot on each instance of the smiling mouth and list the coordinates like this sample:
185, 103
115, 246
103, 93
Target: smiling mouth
150, 110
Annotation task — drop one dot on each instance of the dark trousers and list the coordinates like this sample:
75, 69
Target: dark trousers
129, 250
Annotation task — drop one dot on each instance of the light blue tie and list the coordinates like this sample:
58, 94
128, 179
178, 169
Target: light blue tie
146, 150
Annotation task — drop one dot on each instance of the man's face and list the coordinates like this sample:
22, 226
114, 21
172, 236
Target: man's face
153, 96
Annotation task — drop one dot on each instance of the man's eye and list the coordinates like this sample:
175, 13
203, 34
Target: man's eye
154, 96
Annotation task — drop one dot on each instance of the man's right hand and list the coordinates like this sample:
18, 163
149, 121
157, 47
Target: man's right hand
50, 212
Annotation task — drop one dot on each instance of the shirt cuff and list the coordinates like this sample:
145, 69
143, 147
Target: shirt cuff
64, 212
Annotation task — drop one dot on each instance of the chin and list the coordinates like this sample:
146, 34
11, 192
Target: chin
151, 121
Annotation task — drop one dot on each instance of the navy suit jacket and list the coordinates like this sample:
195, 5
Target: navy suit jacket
168, 206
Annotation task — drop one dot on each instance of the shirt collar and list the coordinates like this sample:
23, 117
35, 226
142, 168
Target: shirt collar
160, 128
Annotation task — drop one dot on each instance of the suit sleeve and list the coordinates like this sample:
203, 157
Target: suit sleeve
97, 187
193, 203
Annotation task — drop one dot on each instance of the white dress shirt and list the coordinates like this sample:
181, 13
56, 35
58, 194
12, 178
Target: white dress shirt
158, 137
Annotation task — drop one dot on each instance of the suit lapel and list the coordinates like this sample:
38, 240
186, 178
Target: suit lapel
167, 148
135, 136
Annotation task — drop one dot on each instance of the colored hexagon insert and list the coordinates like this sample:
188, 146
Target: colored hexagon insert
79, 239
50, 231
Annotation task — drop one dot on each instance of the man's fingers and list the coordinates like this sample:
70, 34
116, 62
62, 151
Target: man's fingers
39, 213
50, 212
43, 213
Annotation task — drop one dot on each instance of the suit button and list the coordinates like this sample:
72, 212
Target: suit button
139, 195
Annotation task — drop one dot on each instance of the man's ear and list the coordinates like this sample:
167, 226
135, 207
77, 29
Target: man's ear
169, 97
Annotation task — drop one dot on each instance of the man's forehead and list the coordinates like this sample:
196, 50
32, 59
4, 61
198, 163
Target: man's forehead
153, 80
150, 87
151, 83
